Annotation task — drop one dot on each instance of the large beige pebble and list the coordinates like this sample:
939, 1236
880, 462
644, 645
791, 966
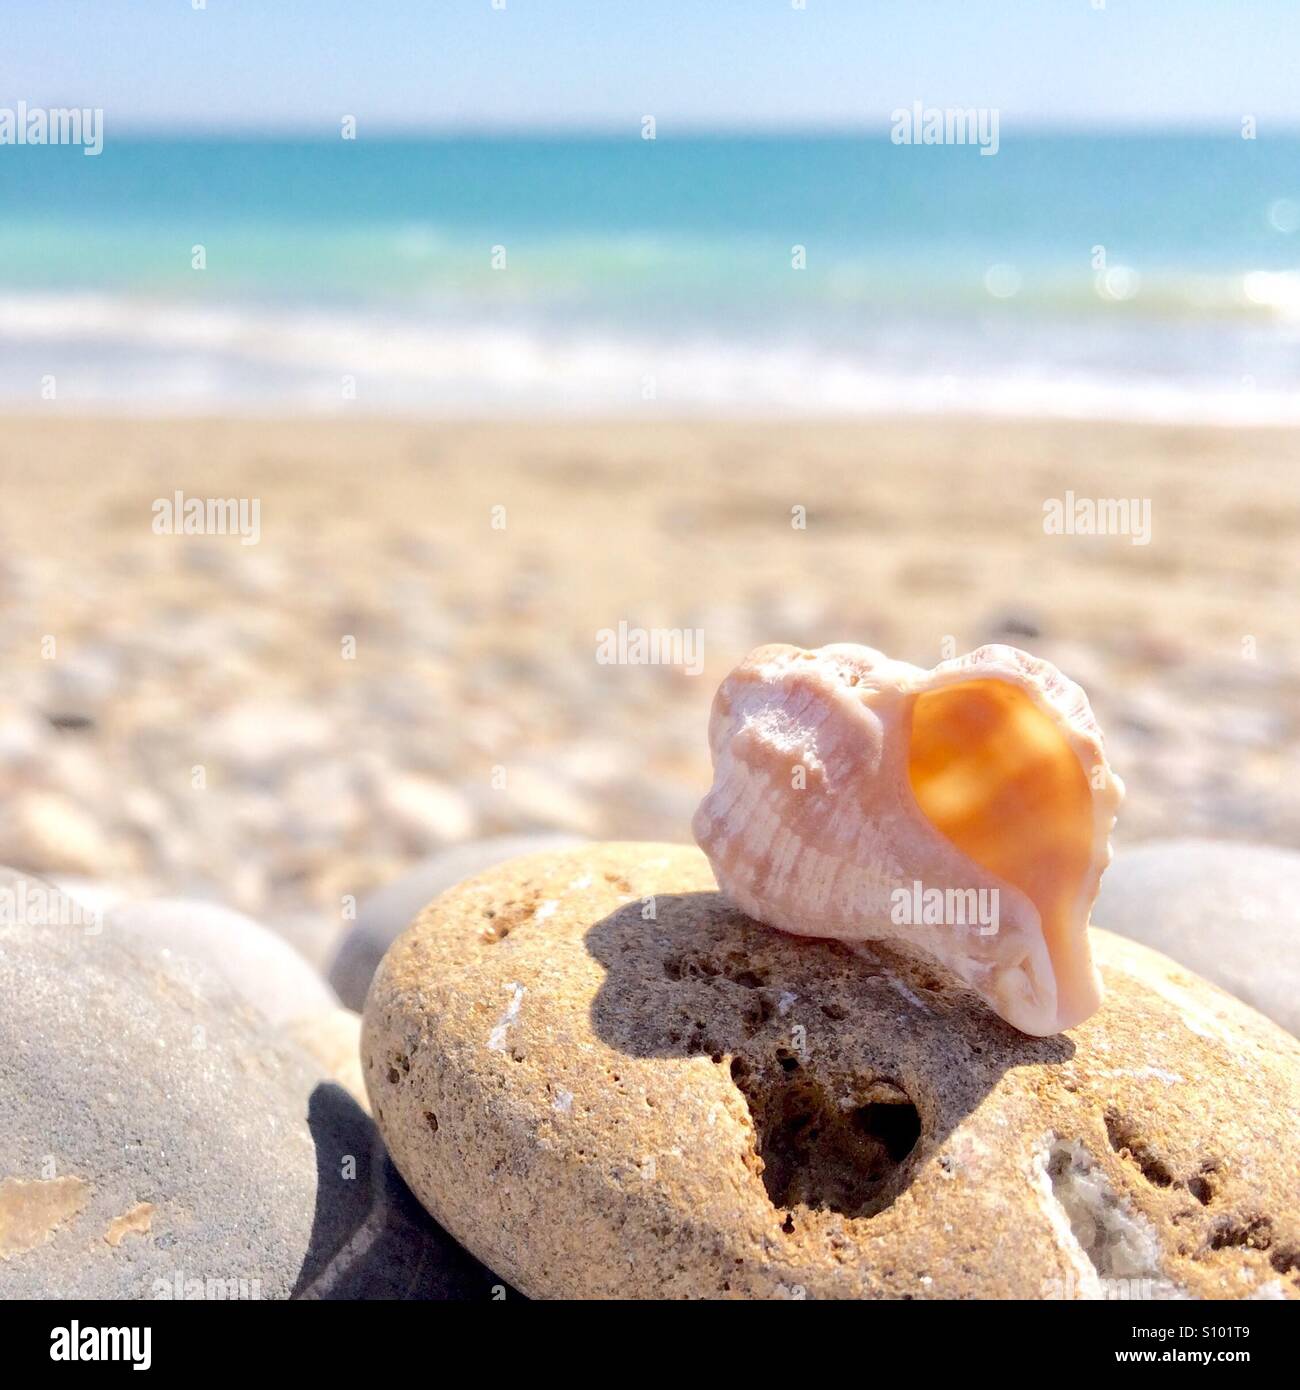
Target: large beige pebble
388, 911
607, 1082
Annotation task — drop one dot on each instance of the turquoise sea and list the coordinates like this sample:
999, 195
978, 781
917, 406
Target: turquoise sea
1143, 276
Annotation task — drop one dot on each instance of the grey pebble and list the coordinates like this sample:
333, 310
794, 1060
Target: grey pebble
1230, 912
252, 961
153, 1138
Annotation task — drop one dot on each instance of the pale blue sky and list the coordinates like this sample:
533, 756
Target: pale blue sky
692, 63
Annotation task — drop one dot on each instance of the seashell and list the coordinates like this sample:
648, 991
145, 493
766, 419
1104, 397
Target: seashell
964, 811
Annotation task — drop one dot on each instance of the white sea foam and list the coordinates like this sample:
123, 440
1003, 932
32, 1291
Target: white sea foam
119, 353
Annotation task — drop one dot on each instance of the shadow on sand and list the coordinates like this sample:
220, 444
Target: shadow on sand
371, 1238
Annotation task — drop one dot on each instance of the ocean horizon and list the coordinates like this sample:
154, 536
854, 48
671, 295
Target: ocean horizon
1078, 275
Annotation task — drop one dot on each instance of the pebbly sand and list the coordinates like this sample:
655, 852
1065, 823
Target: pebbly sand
185, 714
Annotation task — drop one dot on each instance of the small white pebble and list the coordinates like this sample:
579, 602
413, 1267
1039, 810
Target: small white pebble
905, 992
563, 1102
784, 1003
497, 1038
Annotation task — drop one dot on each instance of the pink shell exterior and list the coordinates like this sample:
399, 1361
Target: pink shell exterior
825, 859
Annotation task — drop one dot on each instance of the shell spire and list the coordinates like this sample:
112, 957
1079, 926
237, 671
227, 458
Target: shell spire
965, 811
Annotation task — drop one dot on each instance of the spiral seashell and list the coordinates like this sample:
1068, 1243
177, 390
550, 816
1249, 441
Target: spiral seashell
965, 811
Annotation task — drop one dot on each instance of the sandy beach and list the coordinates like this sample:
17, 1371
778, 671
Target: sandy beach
407, 656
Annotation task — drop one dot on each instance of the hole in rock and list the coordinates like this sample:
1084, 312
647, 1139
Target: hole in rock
1205, 1185
756, 1012
1201, 1190
994, 775
816, 1153
512, 914
1126, 1141
1252, 1232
